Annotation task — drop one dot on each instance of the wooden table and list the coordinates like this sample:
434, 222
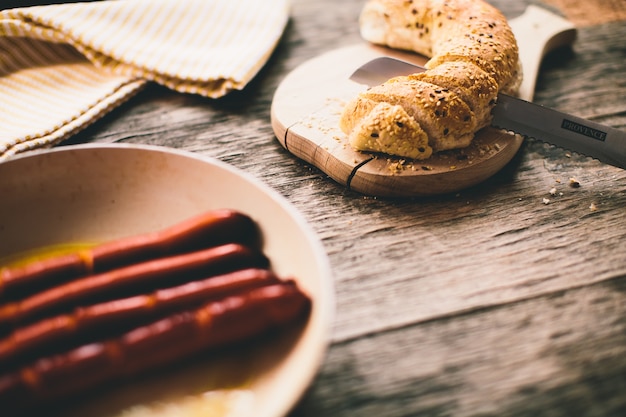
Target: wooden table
507, 299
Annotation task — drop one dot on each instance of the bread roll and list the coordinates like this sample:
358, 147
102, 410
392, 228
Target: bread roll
474, 56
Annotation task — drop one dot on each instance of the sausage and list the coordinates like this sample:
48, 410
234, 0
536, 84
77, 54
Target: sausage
209, 229
22, 280
134, 279
58, 333
212, 228
216, 324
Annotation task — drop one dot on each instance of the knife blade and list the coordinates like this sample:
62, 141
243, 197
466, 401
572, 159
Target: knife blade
588, 138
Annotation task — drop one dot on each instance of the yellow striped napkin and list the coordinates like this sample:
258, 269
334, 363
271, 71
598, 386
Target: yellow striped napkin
63, 66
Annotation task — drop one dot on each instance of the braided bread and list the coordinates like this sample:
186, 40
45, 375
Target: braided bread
474, 56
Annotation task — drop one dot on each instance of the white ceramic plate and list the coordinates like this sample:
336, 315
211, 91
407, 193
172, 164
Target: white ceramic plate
90, 193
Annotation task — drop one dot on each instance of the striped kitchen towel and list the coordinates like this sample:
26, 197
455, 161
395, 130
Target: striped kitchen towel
63, 66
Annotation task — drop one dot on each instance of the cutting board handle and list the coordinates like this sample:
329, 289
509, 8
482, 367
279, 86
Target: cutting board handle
538, 26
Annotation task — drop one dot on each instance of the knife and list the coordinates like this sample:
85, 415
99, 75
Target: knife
567, 131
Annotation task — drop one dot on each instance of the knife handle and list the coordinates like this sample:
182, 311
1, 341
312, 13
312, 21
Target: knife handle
605, 143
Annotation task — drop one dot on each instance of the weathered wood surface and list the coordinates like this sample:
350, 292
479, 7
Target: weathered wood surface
488, 302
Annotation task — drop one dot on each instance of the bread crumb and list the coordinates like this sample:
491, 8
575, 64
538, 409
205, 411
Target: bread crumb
553, 191
574, 183
397, 166
546, 201
593, 207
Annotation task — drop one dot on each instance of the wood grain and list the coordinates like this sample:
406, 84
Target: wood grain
487, 302
592, 12
551, 355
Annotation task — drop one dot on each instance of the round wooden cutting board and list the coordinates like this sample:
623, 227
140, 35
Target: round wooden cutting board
308, 103
305, 117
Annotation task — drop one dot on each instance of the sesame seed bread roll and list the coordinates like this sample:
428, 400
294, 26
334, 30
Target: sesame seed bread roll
385, 128
476, 88
439, 111
474, 56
